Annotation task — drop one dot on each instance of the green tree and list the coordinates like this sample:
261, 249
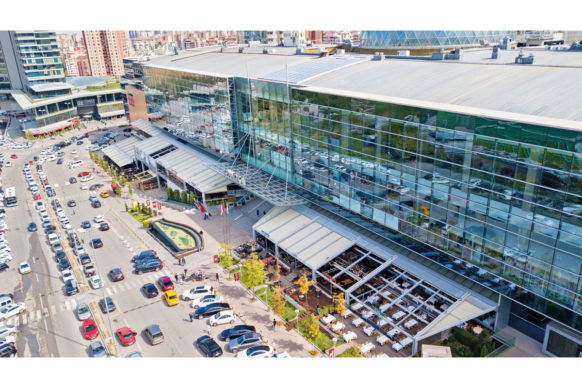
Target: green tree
311, 327
356, 352
126, 208
484, 351
191, 198
176, 195
252, 273
277, 268
184, 196
339, 302
464, 351
130, 189
170, 193
278, 301
304, 283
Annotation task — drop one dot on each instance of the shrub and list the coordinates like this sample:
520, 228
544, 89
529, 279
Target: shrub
176, 195
184, 196
170, 194
464, 337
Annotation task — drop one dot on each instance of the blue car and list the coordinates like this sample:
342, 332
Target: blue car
32, 227
85, 224
60, 161
79, 142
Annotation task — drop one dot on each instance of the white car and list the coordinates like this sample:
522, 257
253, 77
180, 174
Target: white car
196, 293
226, 316
206, 300
9, 339
83, 311
7, 330
67, 275
87, 178
8, 163
74, 151
258, 351
98, 219
11, 310
24, 268
95, 282
84, 187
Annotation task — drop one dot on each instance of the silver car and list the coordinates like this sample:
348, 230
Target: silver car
245, 341
83, 311
97, 349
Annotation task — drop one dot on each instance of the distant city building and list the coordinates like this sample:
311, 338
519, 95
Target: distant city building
286, 38
254, 36
431, 39
341, 36
315, 37
106, 50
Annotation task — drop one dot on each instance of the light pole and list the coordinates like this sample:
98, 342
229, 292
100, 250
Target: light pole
296, 318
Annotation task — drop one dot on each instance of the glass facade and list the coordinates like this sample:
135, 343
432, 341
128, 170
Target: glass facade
498, 202
194, 107
395, 39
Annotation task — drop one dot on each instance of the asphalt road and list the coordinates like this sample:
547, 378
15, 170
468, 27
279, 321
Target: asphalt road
50, 328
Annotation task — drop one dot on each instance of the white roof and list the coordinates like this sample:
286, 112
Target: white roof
151, 145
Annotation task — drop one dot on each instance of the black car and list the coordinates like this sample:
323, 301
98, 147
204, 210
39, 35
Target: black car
95, 186
104, 226
35, 158
71, 203
211, 309
71, 288
96, 204
107, 305
144, 260
150, 290
64, 263
235, 332
96, 243
32, 227
116, 275
208, 346
72, 180
55, 204
8, 350
3, 267
60, 255
84, 259
149, 267
144, 254
50, 193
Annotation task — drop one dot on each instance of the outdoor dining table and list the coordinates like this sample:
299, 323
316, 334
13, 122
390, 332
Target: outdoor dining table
369, 330
382, 340
357, 322
367, 347
386, 293
406, 285
393, 332
410, 324
397, 347
383, 322
350, 335
357, 306
444, 307
373, 299
398, 315
384, 307
328, 319
368, 314
346, 313
337, 327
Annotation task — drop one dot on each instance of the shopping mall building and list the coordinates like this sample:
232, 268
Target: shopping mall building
459, 178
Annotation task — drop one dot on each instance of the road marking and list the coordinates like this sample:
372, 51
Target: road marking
108, 289
36, 276
46, 330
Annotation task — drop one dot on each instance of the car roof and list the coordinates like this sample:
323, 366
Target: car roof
154, 329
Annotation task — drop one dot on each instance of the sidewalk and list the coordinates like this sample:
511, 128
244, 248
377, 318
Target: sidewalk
252, 312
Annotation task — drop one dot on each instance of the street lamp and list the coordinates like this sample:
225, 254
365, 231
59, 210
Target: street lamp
296, 318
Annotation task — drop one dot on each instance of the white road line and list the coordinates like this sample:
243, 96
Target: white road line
45, 327
108, 289
73, 304
36, 276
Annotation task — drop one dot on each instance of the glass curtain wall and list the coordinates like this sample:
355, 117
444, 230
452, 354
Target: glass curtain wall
195, 107
506, 197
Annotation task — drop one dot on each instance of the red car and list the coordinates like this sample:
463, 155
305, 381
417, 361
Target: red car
90, 329
30, 162
165, 283
13, 156
36, 197
126, 336
83, 173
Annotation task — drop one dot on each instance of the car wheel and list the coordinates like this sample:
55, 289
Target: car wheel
196, 306
232, 321
214, 324
139, 272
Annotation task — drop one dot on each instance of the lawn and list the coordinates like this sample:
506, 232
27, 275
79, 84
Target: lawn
139, 216
289, 313
347, 353
323, 341
107, 86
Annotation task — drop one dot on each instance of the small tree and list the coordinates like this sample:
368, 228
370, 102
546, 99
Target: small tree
311, 327
191, 199
304, 283
170, 193
464, 351
277, 268
484, 351
126, 208
339, 303
130, 189
176, 195
184, 196
252, 273
356, 352
117, 189
278, 301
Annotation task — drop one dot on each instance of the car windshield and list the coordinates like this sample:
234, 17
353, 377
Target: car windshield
83, 310
128, 335
172, 296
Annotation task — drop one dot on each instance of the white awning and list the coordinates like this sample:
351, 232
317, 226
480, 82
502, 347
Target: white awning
114, 113
150, 145
146, 127
121, 153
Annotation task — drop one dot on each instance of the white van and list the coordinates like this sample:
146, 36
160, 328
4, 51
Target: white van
77, 163
53, 238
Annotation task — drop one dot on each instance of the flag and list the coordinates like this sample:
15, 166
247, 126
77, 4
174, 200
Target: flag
148, 202
222, 209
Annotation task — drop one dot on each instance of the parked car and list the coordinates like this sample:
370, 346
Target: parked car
95, 204
244, 342
84, 259
83, 311
97, 350
72, 180
24, 268
258, 351
144, 254
104, 226
150, 290
11, 310
154, 334
126, 336
206, 300
196, 292
235, 332
116, 275
71, 288
32, 227
208, 346
90, 330
96, 243
211, 310
165, 283
95, 282
107, 305
226, 316
171, 297
149, 266
89, 269
85, 224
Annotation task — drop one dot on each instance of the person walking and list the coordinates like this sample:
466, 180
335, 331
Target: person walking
212, 289
274, 323
217, 277
185, 272
191, 315
176, 277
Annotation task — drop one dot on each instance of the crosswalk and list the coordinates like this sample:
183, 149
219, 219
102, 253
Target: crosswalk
70, 304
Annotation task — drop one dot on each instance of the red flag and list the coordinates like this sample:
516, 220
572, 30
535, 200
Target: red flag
159, 206
154, 204
148, 202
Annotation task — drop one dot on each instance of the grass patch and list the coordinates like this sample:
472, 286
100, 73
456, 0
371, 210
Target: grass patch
323, 341
139, 216
347, 353
107, 86
289, 313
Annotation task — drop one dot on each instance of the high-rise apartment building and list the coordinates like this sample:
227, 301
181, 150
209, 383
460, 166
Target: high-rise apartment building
33, 63
106, 50
286, 38
315, 37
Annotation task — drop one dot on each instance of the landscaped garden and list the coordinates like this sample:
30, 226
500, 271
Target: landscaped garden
289, 313
319, 338
183, 240
466, 344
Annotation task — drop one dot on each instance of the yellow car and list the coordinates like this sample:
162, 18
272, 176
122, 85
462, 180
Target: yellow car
171, 297
105, 194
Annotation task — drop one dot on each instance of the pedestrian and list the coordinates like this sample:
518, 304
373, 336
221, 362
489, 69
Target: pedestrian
200, 272
212, 289
318, 309
191, 317
274, 323
183, 277
217, 277
185, 272
176, 277
258, 214
208, 329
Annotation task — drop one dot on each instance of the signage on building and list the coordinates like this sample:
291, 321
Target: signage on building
130, 99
